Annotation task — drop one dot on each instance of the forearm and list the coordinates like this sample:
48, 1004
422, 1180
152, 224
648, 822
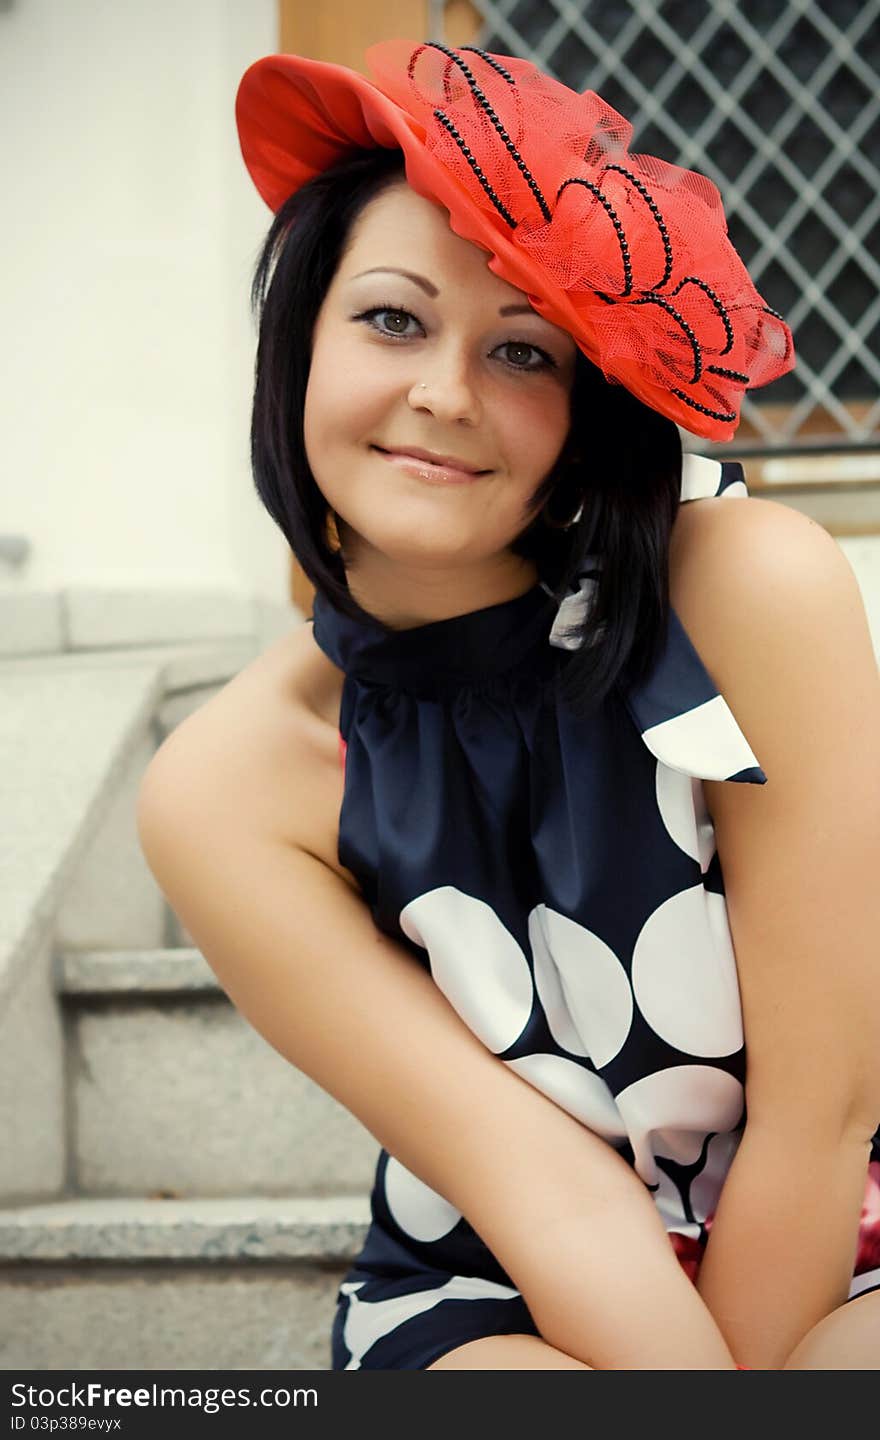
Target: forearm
618, 1305
564, 1214
782, 1246
584, 1243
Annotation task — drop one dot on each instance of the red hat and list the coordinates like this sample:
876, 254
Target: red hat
628, 253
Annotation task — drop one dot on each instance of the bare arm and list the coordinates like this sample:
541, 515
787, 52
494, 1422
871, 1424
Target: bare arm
298, 953
781, 1251
776, 609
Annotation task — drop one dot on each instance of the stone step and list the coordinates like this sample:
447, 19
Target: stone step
84, 620
74, 877
245, 1282
170, 1089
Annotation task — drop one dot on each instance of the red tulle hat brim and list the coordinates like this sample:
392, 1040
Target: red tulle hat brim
628, 253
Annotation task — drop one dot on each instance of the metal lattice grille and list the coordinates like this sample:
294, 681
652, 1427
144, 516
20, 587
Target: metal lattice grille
779, 104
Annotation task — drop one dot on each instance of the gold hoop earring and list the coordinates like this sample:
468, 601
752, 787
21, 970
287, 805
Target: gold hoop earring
554, 524
331, 533
575, 460
562, 524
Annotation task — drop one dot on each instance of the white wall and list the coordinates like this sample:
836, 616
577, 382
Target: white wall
126, 343
130, 229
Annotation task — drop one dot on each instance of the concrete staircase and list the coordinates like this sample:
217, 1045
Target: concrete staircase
173, 1194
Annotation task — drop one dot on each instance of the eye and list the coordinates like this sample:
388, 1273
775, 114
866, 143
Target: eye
545, 361
368, 316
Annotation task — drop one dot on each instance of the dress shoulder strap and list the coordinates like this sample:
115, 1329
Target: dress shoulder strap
683, 719
702, 477
681, 716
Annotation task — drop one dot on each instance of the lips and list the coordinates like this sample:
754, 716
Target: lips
443, 462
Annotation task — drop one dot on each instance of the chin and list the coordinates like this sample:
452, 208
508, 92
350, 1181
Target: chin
415, 545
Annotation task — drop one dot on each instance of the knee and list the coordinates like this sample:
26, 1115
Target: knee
847, 1339
507, 1352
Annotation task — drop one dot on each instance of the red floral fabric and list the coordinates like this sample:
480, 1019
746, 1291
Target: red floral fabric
690, 1252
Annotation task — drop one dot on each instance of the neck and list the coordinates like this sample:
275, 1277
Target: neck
403, 596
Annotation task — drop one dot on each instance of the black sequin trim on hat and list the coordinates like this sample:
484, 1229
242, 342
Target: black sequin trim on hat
776, 315
655, 211
410, 70
646, 296
728, 374
499, 206
722, 313
619, 230
487, 108
491, 61
680, 320
704, 409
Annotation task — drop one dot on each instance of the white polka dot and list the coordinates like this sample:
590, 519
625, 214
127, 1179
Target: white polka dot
418, 1209
869, 1280
700, 476
370, 1320
704, 741
737, 487
571, 615
682, 805
671, 1112
475, 961
582, 986
706, 1187
684, 974
580, 1092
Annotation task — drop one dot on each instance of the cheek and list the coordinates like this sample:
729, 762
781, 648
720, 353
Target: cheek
535, 430
342, 398
320, 431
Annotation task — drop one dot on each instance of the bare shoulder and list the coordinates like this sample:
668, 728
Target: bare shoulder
265, 749
738, 564
775, 611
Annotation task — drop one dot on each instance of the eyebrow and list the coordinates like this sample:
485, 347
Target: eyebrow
432, 290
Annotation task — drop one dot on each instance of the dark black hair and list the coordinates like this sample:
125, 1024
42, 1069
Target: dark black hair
620, 457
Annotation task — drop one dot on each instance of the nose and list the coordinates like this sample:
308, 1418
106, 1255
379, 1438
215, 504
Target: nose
447, 391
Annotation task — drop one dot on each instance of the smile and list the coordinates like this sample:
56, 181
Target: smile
427, 470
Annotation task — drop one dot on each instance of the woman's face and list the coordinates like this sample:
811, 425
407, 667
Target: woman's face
431, 360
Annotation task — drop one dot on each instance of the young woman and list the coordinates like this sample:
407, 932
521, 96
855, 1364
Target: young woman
465, 847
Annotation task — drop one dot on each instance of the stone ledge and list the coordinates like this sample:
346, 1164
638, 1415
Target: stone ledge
68, 741
69, 726
81, 620
175, 1094
32, 622
182, 666
251, 1228
134, 973
172, 1316
128, 616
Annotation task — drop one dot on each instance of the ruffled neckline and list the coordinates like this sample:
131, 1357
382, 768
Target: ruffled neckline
682, 718
471, 649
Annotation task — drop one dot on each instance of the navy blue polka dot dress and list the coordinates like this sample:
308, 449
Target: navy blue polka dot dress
559, 879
